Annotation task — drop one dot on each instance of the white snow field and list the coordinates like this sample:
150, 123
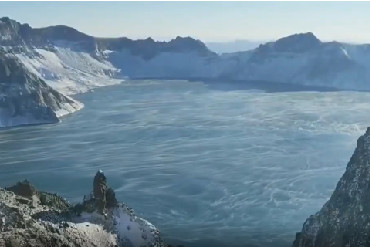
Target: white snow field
69, 72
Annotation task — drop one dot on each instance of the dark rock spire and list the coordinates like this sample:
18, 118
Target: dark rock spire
100, 190
104, 196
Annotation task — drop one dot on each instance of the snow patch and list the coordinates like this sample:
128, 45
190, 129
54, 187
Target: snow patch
128, 229
68, 108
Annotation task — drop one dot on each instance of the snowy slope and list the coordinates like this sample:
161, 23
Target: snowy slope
65, 58
69, 71
127, 228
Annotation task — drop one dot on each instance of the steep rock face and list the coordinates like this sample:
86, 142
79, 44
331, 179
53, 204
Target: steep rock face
12, 32
26, 99
344, 221
33, 218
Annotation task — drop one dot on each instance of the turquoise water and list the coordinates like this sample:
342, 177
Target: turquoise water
206, 165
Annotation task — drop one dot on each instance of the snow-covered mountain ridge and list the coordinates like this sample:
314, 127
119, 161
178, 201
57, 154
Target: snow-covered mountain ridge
304, 59
73, 62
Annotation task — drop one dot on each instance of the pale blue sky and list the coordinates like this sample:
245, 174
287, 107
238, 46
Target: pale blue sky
208, 21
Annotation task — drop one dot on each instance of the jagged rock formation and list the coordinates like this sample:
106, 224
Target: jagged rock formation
26, 99
344, 221
100, 188
34, 218
104, 196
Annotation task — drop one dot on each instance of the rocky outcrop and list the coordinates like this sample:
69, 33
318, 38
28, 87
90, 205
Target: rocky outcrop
103, 196
344, 221
34, 218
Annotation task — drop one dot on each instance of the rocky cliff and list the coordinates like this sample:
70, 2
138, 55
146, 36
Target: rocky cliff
344, 221
34, 218
27, 99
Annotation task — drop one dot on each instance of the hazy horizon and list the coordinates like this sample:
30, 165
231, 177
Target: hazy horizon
207, 21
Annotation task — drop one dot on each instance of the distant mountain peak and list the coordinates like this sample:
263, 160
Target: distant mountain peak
12, 32
150, 39
308, 37
6, 19
61, 32
299, 42
187, 43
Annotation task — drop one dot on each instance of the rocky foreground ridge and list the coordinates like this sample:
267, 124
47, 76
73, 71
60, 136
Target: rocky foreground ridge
344, 221
34, 218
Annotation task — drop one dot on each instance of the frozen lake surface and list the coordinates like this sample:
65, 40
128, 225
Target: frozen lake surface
205, 164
